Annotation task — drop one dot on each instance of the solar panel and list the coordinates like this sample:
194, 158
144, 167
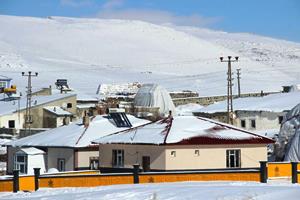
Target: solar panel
120, 119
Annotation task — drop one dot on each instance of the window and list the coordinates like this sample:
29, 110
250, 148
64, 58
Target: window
20, 163
11, 124
253, 123
233, 158
197, 152
280, 118
2, 84
173, 153
94, 163
118, 158
61, 164
243, 123
69, 105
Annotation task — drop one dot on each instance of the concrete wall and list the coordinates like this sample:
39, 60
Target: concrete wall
264, 120
204, 101
65, 153
19, 120
133, 154
210, 156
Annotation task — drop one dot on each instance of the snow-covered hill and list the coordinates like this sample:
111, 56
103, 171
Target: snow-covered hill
92, 51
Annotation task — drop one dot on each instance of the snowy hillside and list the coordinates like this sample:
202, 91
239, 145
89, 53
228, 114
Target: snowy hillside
89, 52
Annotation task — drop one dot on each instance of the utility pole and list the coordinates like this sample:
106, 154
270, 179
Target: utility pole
239, 83
28, 117
229, 89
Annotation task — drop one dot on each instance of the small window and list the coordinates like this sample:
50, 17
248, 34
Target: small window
94, 163
118, 157
197, 152
233, 158
11, 124
61, 164
173, 153
20, 163
280, 119
243, 123
253, 123
69, 105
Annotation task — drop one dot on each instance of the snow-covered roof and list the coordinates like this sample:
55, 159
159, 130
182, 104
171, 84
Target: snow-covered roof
57, 110
75, 134
153, 95
4, 78
88, 105
8, 107
187, 109
272, 103
184, 130
31, 151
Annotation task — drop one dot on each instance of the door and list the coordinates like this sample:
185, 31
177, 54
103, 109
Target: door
146, 163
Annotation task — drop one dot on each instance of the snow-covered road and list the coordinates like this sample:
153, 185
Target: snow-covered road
170, 191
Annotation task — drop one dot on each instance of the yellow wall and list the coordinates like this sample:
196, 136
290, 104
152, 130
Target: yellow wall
26, 183
84, 181
200, 177
6, 185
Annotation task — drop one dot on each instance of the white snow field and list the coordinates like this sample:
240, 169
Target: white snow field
169, 191
89, 52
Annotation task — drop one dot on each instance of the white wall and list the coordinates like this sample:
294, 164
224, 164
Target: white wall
15, 116
36, 161
264, 120
65, 153
83, 158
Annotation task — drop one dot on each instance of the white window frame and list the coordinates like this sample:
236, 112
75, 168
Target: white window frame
94, 163
236, 154
18, 164
118, 157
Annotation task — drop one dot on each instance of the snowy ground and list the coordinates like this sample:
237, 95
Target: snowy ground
168, 191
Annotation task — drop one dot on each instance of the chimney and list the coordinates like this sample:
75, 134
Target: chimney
86, 120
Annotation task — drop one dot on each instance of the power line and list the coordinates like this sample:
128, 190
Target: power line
28, 117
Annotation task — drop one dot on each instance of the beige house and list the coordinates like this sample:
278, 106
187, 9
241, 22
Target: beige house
182, 143
12, 113
69, 148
